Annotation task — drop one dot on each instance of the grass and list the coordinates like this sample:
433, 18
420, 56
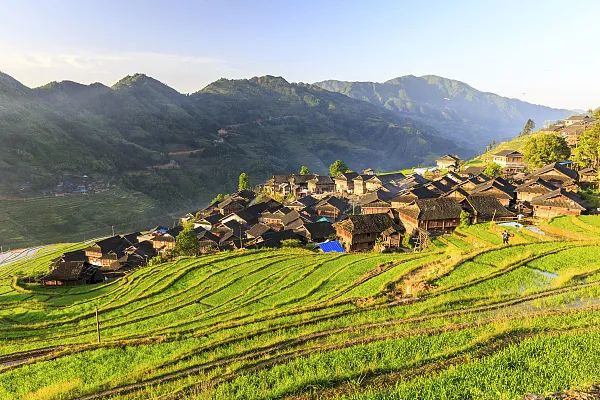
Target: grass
74, 217
276, 323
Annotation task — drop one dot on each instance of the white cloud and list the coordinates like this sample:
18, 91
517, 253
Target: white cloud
182, 72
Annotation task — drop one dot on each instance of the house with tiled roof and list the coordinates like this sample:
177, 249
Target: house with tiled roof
557, 174
434, 215
532, 188
361, 232
486, 208
451, 162
556, 203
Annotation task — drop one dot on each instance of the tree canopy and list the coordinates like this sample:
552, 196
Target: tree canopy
186, 243
243, 182
493, 170
528, 128
338, 167
587, 153
304, 170
545, 149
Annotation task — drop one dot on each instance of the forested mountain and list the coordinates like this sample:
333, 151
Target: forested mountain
142, 135
455, 109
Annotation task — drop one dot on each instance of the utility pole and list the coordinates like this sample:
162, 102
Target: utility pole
97, 325
113, 230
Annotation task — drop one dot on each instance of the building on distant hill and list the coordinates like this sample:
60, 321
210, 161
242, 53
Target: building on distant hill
510, 160
556, 203
449, 162
361, 232
578, 119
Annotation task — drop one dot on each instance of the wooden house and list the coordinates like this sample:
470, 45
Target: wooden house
344, 182
486, 208
378, 202
406, 197
321, 184
306, 202
360, 184
557, 174
108, 253
497, 188
533, 188
331, 207
449, 162
257, 230
556, 203
299, 185
231, 204
433, 215
69, 273
361, 232
316, 231
511, 160
165, 240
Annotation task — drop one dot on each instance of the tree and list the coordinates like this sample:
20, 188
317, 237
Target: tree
465, 218
243, 183
218, 198
545, 149
304, 170
528, 128
186, 243
291, 243
493, 170
338, 167
407, 240
587, 153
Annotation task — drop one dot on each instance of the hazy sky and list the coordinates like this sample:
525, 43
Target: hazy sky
540, 51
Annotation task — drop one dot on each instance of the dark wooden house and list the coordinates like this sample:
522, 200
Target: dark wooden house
433, 215
361, 232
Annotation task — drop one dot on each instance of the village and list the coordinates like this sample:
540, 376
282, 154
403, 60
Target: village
354, 211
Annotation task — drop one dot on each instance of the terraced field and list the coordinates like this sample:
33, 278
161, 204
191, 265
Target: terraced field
468, 318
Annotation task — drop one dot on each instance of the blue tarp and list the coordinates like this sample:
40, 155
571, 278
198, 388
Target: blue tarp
332, 247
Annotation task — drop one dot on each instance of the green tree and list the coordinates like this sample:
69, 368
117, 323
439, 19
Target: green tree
528, 128
291, 243
587, 152
465, 218
407, 240
243, 182
338, 167
218, 198
186, 243
304, 170
493, 170
545, 149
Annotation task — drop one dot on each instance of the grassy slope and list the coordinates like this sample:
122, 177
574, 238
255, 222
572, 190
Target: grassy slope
75, 217
296, 324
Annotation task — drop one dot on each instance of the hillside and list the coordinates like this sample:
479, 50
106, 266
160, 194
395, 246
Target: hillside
141, 138
457, 110
468, 318
140, 134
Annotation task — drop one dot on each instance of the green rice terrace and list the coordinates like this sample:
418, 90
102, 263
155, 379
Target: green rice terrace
467, 318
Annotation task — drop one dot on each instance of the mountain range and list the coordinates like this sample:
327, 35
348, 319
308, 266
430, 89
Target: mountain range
456, 110
181, 149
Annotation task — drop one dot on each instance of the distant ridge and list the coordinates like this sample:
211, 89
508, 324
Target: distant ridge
142, 135
455, 109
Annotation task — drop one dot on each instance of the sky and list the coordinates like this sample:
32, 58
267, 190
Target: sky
543, 52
